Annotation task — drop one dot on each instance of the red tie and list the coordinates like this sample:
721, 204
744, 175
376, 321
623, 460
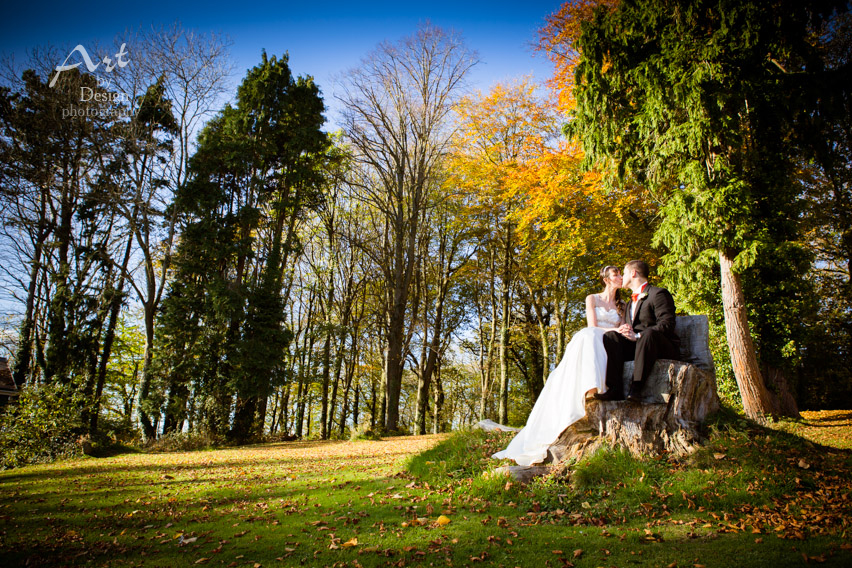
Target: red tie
634, 297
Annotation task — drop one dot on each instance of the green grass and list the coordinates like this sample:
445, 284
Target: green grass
751, 497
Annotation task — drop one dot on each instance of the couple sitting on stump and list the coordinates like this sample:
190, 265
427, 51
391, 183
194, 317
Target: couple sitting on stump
593, 363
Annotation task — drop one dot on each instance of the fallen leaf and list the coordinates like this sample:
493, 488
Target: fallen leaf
719, 456
443, 520
351, 542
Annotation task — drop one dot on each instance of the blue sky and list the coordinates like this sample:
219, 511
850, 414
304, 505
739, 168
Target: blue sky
323, 38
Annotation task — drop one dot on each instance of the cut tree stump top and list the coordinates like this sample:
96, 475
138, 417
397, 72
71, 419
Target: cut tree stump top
694, 334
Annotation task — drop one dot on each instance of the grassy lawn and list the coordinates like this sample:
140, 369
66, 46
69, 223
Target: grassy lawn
751, 497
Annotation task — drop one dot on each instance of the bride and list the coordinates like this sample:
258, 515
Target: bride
580, 374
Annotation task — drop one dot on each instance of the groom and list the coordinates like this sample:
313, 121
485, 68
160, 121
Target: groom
648, 335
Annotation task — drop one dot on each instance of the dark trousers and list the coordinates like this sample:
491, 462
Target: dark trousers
645, 351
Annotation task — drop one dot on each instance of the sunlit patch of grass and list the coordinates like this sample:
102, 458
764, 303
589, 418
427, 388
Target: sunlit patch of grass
831, 428
464, 454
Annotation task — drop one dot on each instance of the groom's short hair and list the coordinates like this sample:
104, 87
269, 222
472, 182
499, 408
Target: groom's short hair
639, 266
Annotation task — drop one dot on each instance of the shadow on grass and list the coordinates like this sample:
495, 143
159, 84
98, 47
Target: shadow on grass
63, 530
827, 421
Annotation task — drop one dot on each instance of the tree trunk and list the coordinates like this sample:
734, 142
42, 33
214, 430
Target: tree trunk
350, 374
149, 431
305, 356
373, 405
560, 332
25, 341
326, 373
394, 363
757, 402
304, 384
338, 361
542, 332
437, 426
109, 338
284, 409
431, 364
504, 333
262, 407
276, 413
355, 401
58, 354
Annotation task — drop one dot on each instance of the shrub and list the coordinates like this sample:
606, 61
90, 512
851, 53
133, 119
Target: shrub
43, 426
364, 432
184, 442
118, 430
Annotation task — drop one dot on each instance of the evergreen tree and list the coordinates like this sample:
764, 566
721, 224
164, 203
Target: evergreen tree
699, 101
256, 171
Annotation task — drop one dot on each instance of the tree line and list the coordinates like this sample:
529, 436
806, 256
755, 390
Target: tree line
244, 272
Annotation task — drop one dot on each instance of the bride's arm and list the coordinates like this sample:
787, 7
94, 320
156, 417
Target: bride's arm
591, 317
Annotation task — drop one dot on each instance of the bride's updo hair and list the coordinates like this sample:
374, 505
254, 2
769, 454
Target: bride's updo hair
607, 272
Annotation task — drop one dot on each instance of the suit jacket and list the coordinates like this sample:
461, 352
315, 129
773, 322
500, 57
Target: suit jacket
655, 310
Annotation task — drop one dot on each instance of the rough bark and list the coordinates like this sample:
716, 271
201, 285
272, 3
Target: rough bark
686, 395
757, 402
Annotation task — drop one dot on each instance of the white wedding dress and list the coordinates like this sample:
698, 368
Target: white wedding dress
563, 399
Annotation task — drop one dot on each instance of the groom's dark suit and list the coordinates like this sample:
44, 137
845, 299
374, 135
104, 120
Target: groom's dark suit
654, 322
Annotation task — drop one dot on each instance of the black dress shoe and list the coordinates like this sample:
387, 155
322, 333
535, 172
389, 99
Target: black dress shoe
635, 394
609, 395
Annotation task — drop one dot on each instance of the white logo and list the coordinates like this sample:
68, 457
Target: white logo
109, 62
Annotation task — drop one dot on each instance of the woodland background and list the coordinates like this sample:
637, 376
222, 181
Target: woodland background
241, 273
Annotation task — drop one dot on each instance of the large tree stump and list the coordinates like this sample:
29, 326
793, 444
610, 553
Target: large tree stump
677, 398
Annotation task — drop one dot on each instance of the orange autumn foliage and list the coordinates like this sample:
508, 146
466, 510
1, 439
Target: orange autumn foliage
515, 167
557, 40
